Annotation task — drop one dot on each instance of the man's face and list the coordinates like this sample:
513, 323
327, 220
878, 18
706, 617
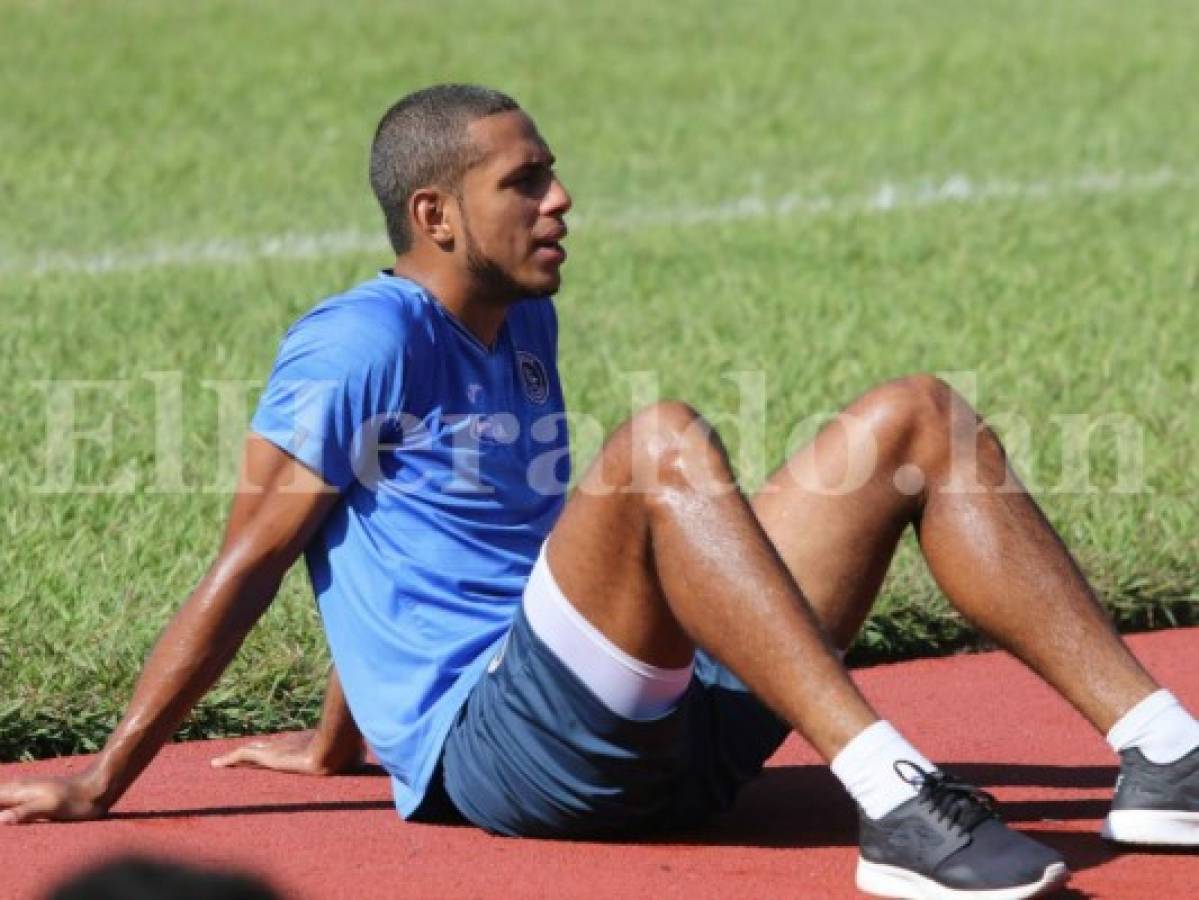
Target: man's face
513, 208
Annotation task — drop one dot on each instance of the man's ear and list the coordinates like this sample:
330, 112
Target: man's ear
432, 212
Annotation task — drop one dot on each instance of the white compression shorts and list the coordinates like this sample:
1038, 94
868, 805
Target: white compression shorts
627, 686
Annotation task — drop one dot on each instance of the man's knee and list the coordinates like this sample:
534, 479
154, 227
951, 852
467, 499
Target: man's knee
912, 415
932, 404
673, 446
922, 420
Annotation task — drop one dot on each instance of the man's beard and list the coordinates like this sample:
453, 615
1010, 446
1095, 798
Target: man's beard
486, 272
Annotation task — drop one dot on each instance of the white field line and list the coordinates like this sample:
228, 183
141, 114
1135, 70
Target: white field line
889, 196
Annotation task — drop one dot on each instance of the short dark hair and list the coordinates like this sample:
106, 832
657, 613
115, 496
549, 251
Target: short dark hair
423, 140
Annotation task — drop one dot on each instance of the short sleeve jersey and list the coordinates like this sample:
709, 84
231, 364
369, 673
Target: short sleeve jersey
452, 461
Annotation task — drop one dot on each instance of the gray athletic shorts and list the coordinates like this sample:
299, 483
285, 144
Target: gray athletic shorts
534, 753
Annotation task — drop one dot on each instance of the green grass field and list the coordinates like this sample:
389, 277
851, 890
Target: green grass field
180, 181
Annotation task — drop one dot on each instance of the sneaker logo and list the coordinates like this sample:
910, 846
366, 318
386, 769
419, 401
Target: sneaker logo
916, 838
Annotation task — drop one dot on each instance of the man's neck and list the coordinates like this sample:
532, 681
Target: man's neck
481, 316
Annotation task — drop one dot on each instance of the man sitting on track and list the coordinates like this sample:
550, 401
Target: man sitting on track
574, 668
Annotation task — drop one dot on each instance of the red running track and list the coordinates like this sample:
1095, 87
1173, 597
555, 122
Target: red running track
791, 835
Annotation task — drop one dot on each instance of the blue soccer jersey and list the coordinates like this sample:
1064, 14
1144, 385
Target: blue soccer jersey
452, 460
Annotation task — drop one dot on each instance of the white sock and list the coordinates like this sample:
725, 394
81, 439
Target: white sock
1159, 726
866, 766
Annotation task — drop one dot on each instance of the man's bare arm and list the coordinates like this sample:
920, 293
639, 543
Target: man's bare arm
334, 748
278, 507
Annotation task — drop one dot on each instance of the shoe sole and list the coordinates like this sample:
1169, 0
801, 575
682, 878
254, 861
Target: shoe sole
892, 881
1158, 827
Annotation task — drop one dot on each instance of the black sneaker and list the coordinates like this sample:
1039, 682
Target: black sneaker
948, 842
1155, 804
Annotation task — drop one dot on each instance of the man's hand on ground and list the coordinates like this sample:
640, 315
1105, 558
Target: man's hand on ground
52, 799
335, 748
299, 753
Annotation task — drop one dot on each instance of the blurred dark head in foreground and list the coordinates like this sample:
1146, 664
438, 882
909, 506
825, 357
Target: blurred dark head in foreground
141, 878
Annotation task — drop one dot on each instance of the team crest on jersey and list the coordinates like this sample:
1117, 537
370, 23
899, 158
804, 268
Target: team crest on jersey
533, 377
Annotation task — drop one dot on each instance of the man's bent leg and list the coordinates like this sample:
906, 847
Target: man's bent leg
988, 545
659, 551
999, 562
552, 740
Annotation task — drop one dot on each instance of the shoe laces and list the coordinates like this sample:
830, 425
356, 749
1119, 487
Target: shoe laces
960, 805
